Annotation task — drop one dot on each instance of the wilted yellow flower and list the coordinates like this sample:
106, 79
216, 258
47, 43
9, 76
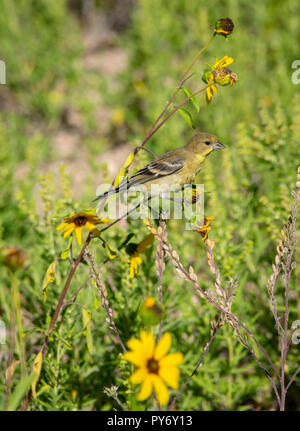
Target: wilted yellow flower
224, 26
75, 222
135, 250
203, 230
224, 76
156, 368
218, 74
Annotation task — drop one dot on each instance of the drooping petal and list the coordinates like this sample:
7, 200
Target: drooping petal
161, 390
171, 360
146, 389
68, 231
170, 375
138, 376
208, 94
78, 231
136, 358
163, 346
131, 271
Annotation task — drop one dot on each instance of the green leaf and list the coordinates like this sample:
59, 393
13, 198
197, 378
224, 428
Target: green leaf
65, 343
21, 389
187, 117
193, 100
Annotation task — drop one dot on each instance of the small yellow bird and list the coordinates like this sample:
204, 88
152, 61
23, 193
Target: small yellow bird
174, 168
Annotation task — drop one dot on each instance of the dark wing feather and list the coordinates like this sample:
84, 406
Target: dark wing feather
158, 169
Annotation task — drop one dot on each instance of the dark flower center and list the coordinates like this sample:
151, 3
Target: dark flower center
80, 221
152, 366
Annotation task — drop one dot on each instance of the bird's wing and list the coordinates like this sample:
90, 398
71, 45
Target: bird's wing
168, 164
158, 168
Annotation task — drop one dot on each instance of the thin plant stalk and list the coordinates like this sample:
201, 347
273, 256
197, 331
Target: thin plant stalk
178, 88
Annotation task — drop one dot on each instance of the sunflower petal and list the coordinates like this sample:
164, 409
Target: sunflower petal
170, 375
68, 231
148, 341
161, 390
136, 358
90, 226
78, 231
171, 360
146, 389
163, 346
134, 344
138, 376
61, 226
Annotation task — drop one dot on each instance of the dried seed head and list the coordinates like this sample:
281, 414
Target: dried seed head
224, 76
13, 257
224, 27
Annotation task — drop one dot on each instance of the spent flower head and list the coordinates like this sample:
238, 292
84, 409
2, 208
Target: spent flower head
218, 74
224, 27
156, 368
13, 257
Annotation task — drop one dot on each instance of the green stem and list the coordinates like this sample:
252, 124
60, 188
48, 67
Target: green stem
20, 339
179, 86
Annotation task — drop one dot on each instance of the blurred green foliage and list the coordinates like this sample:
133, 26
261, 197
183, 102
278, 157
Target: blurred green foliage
248, 191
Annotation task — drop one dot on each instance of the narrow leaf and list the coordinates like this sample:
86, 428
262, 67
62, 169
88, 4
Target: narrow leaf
193, 100
19, 392
187, 117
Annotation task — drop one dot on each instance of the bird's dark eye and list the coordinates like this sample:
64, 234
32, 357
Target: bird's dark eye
207, 142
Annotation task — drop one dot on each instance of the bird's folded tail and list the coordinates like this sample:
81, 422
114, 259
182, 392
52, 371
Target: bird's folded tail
123, 186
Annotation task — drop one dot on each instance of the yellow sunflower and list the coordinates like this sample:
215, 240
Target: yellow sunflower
75, 222
156, 368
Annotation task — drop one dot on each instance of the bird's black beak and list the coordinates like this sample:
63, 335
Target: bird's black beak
219, 146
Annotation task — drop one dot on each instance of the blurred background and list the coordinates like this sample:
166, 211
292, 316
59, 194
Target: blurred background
85, 79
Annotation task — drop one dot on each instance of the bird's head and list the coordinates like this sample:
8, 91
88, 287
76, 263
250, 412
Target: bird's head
202, 144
